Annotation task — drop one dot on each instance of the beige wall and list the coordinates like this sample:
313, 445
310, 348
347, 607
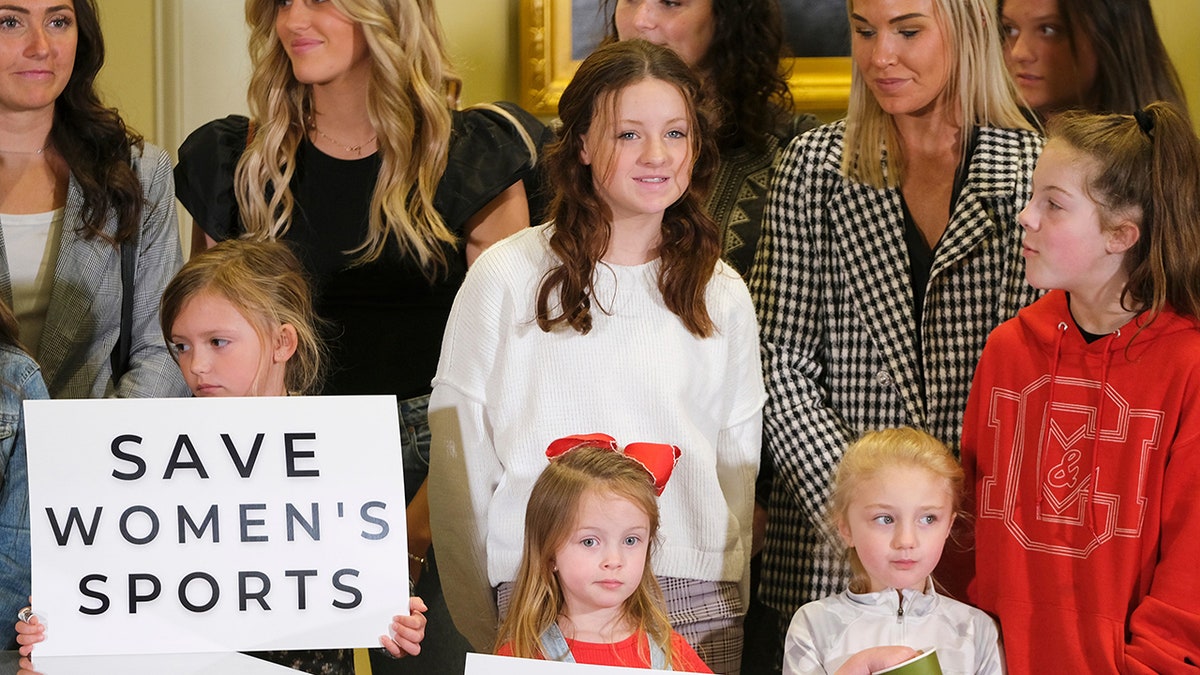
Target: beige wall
1179, 24
482, 37
128, 79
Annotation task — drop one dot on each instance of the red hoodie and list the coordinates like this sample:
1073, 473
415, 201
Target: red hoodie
1088, 545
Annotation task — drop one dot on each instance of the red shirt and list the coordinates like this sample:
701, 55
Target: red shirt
632, 652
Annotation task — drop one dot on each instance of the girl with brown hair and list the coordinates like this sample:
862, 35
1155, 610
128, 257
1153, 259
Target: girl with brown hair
619, 315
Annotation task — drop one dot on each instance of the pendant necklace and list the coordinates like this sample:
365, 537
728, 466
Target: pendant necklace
356, 149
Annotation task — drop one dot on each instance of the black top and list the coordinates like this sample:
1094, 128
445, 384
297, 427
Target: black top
920, 253
386, 320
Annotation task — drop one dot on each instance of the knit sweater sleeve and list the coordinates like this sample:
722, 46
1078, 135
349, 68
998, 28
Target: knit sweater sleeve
464, 467
1164, 627
739, 442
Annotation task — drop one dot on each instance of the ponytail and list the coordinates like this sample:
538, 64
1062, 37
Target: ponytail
1148, 171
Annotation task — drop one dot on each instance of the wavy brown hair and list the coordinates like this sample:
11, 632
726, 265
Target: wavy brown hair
1152, 177
94, 140
265, 282
550, 517
582, 220
1134, 68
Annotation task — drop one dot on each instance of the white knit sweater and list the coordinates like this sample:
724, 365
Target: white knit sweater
504, 389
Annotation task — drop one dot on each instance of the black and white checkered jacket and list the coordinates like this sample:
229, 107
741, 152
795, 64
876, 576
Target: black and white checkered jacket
832, 286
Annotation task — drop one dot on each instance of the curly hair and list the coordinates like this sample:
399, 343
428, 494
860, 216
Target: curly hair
741, 69
582, 220
95, 142
1133, 68
409, 101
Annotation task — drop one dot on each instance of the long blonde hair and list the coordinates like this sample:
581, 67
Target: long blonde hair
883, 449
550, 517
411, 93
979, 89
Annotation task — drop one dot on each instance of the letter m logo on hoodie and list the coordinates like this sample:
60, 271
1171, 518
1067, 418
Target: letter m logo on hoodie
1058, 493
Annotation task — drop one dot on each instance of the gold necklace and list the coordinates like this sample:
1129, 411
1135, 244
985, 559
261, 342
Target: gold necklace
356, 149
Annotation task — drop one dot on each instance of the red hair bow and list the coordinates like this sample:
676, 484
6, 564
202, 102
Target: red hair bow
658, 459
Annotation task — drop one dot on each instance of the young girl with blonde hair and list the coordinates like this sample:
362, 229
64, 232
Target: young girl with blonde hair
1081, 441
239, 320
896, 494
584, 591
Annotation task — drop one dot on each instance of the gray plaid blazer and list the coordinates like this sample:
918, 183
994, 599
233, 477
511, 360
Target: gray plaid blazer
84, 318
831, 283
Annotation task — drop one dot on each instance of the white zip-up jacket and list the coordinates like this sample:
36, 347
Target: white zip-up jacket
824, 634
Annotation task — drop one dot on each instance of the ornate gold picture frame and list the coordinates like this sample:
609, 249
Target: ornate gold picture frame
818, 84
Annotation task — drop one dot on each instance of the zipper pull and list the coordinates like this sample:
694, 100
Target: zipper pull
900, 614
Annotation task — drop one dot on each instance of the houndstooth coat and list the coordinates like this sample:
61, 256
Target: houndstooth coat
831, 282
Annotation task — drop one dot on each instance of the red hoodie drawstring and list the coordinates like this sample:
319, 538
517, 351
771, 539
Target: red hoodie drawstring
1108, 343
1044, 442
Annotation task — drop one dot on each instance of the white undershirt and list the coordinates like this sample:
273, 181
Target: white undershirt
31, 245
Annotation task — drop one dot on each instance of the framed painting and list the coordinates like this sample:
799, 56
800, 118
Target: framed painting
555, 35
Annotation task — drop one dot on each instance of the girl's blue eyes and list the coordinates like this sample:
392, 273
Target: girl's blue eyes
589, 542
633, 135
927, 519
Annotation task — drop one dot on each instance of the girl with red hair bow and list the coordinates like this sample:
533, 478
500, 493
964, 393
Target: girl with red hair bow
584, 591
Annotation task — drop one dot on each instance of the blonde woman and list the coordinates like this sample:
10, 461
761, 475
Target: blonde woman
356, 159
891, 248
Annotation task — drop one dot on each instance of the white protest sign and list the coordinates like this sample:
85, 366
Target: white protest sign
487, 664
208, 663
219, 524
